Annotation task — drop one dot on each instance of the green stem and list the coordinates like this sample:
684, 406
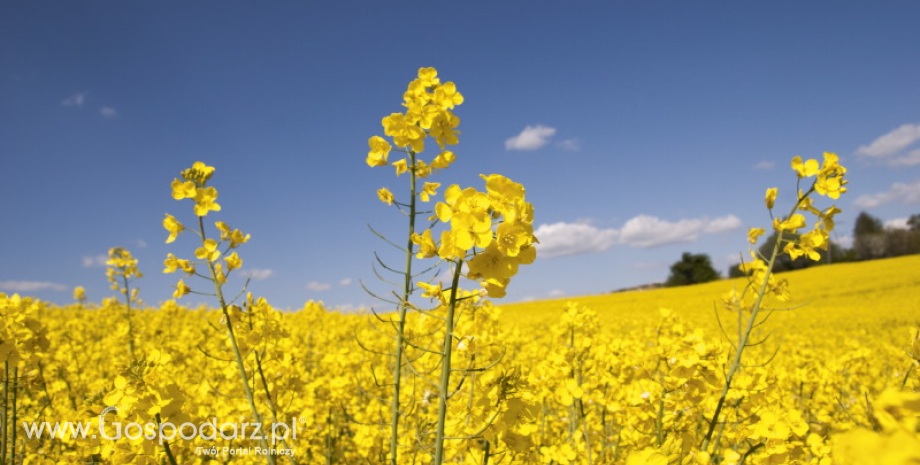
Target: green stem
124, 278
6, 386
169, 454
444, 385
236, 349
742, 343
13, 416
401, 325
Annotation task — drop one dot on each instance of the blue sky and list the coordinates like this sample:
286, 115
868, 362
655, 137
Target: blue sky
640, 129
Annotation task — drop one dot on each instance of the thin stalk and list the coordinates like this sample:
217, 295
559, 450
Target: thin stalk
271, 403
124, 278
169, 454
236, 349
445, 365
6, 386
401, 324
736, 363
13, 415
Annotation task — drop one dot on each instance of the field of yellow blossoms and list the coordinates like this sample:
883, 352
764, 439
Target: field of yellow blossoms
817, 366
619, 378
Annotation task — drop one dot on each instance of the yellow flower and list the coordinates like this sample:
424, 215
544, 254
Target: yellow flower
171, 263
794, 222
432, 291
405, 133
205, 201
427, 247
237, 238
380, 148
511, 237
448, 249
442, 129
209, 251
79, 293
199, 173
443, 160
181, 289
806, 169
219, 274
770, 197
173, 226
492, 264
224, 230
233, 262
446, 96
183, 190
754, 234
422, 170
401, 166
385, 195
428, 77
429, 189
495, 288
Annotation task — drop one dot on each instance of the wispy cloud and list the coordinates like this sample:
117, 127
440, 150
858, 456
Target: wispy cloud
31, 286
912, 158
140, 243
843, 241
561, 239
345, 282
891, 143
318, 286
649, 231
897, 223
764, 165
108, 112
649, 265
90, 261
75, 100
643, 231
907, 194
258, 274
572, 145
531, 138
555, 293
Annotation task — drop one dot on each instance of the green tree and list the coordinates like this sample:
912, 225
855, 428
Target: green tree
692, 269
914, 222
869, 238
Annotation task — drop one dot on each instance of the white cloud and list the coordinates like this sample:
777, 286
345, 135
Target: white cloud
891, 143
75, 100
911, 159
318, 287
649, 231
561, 239
140, 243
258, 274
108, 112
556, 293
531, 138
765, 165
30, 286
95, 260
844, 241
904, 193
897, 223
345, 282
350, 308
572, 145
723, 224
649, 265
